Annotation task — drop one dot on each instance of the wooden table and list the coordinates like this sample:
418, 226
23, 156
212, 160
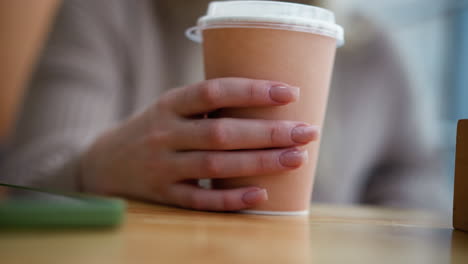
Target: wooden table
158, 234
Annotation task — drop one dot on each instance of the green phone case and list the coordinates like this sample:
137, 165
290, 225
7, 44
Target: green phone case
64, 210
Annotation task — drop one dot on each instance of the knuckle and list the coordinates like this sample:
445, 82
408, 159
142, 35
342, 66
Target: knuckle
255, 90
164, 101
157, 138
211, 166
210, 92
217, 134
196, 202
154, 164
276, 133
228, 203
261, 162
158, 193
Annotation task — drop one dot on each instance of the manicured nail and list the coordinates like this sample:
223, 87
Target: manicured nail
304, 133
283, 94
293, 158
255, 196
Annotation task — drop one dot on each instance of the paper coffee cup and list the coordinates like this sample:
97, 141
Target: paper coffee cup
277, 41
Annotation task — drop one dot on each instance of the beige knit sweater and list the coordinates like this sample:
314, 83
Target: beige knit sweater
109, 59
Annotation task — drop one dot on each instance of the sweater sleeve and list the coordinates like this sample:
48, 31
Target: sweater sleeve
74, 95
409, 173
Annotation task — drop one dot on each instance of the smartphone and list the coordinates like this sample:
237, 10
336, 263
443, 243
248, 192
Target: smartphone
33, 208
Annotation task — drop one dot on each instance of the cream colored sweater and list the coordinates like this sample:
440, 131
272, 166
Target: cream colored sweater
109, 59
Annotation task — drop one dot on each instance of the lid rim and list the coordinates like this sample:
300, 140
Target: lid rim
194, 33
206, 20
304, 25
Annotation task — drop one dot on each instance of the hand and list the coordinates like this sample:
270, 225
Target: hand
160, 154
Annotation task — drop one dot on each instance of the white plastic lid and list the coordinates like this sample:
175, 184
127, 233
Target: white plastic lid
268, 14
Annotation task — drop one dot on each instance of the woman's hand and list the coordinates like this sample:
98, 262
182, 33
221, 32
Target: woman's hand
160, 154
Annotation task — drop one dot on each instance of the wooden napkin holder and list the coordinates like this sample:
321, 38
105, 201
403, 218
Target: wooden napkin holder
460, 199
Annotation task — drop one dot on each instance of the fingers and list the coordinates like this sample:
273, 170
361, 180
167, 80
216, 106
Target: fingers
194, 197
213, 94
233, 134
225, 164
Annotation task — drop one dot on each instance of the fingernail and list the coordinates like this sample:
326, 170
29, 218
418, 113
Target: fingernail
304, 133
293, 158
284, 94
255, 196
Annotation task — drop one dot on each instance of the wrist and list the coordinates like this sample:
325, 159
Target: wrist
91, 166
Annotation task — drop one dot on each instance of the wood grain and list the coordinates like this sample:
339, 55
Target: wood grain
460, 199
160, 234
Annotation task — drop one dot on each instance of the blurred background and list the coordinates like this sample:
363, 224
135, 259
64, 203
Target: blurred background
430, 35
